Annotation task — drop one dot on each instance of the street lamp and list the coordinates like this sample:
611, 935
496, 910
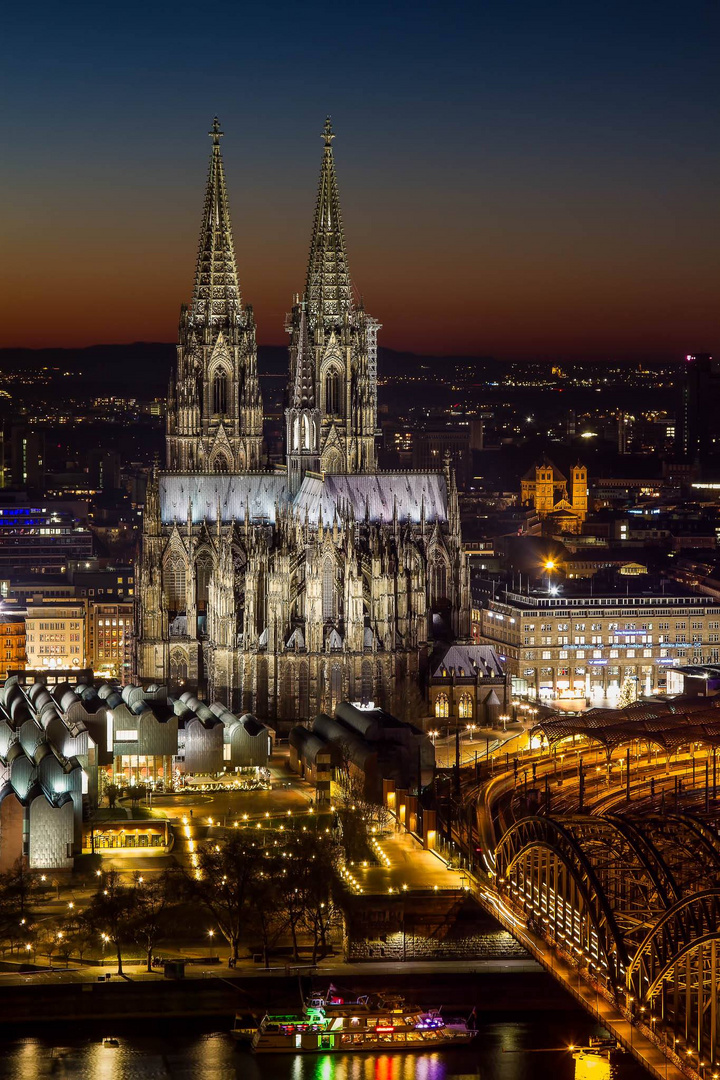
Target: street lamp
504, 719
470, 728
211, 935
105, 940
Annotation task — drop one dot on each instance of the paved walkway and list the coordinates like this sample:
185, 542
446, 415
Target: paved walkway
331, 967
409, 866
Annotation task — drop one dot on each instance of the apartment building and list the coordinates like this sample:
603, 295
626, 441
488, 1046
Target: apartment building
575, 645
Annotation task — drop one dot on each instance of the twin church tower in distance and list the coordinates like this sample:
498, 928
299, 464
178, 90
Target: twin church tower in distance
284, 592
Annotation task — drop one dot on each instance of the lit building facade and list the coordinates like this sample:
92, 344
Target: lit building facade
110, 639
55, 636
12, 645
282, 593
588, 646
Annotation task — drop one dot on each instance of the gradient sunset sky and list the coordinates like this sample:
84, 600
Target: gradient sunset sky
518, 178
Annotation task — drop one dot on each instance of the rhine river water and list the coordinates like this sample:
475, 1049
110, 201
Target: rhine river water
527, 1048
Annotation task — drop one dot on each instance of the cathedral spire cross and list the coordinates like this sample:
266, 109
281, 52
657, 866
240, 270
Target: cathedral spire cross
327, 134
215, 133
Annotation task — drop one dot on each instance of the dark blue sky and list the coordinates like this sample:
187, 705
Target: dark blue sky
517, 178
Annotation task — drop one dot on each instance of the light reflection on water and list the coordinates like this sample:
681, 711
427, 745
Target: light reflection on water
504, 1051
371, 1067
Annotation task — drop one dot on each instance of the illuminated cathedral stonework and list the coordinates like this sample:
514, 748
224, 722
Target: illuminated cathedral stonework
284, 592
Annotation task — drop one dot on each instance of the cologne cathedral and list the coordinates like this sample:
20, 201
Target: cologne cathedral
284, 591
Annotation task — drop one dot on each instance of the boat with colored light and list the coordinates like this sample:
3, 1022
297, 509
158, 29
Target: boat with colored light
330, 1023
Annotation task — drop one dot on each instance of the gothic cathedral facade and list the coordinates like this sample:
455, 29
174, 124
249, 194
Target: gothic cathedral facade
284, 592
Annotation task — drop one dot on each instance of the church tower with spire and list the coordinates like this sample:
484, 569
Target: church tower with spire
342, 337
214, 418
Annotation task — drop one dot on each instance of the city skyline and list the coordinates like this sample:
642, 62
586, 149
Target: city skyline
529, 188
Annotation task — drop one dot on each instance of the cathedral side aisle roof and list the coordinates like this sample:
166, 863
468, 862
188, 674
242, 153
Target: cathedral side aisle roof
379, 495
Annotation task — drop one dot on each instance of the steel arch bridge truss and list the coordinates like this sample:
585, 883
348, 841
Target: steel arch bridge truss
686, 847
597, 885
638, 901
584, 884
676, 971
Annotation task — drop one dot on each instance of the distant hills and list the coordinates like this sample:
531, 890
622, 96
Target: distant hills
143, 367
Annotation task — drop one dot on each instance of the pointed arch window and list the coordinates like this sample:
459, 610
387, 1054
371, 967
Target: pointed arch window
221, 463
328, 590
306, 438
287, 693
438, 579
336, 681
203, 570
261, 688
333, 393
175, 583
178, 670
465, 707
366, 682
442, 706
303, 690
220, 392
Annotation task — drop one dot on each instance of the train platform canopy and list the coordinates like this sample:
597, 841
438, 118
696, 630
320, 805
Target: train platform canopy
669, 724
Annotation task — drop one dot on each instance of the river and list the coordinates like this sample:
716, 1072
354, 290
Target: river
529, 1048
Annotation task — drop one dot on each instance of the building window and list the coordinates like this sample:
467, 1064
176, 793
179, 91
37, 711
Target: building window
465, 707
328, 590
336, 682
366, 682
442, 708
175, 583
261, 690
438, 579
332, 393
304, 690
220, 392
203, 570
287, 693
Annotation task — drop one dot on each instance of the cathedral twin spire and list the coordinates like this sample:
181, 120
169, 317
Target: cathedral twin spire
214, 421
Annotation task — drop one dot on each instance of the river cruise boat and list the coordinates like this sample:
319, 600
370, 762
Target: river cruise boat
332, 1024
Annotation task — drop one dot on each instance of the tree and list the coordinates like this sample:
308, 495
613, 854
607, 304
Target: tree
81, 935
222, 881
628, 692
20, 892
152, 903
267, 909
320, 913
357, 813
295, 886
111, 912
